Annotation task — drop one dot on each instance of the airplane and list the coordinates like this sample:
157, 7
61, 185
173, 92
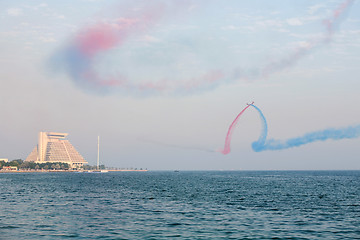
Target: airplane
250, 103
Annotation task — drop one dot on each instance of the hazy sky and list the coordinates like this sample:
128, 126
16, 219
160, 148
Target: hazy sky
177, 75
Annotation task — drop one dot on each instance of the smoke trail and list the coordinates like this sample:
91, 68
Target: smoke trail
232, 127
78, 57
263, 135
176, 146
262, 144
331, 23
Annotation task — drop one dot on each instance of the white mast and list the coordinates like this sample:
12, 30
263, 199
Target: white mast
98, 156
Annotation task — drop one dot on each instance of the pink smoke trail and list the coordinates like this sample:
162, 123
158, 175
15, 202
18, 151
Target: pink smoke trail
232, 127
264, 144
79, 56
330, 22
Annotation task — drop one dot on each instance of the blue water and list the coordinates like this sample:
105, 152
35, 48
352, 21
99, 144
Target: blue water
181, 205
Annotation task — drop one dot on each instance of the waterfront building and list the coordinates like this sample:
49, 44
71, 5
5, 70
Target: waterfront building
4, 159
10, 168
53, 147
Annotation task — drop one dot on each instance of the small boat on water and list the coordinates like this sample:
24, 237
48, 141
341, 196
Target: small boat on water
98, 171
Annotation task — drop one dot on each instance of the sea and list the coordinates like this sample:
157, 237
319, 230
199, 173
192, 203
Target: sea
181, 205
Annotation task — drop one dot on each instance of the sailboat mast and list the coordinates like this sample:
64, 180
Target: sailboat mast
98, 155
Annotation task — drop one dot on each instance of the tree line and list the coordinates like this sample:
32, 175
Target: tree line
21, 164
88, 167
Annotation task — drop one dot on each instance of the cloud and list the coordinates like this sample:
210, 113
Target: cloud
230, 27
301, 44
313, 9
59, 16
14, 12
9, 34
151, 39
269, 23
43, 5
294, 22
274, 13
47, 39
92, 0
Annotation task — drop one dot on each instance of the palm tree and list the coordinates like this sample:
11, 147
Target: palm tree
57, 166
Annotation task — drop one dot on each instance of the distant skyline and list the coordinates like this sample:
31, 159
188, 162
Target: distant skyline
164, 90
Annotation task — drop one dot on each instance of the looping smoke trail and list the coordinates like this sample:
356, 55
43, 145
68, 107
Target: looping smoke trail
263, 135
79, 57
232, 127
262, 144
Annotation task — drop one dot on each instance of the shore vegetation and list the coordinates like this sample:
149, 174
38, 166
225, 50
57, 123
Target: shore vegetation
21, 164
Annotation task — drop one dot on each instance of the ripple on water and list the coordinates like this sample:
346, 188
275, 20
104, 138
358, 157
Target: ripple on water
185, 205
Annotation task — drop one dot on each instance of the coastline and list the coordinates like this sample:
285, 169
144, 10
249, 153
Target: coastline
76, 171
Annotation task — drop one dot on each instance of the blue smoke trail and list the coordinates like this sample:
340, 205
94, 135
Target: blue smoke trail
262, 139
262, 144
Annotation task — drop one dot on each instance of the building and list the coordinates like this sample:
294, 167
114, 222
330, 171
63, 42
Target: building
4, 159
10, 168
53, 147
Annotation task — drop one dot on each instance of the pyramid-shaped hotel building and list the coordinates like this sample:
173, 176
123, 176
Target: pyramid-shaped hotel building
53, 147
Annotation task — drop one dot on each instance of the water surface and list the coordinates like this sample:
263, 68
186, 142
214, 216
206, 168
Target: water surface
181, 205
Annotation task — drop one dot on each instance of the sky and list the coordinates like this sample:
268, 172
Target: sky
161, 81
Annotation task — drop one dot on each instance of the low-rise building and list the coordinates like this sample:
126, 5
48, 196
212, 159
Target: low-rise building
4, 159
10, 168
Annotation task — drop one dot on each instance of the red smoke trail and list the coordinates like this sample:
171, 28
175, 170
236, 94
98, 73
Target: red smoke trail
336, 14
264, 144
227, 149
79, 57
98, 38
104, 36
81, 54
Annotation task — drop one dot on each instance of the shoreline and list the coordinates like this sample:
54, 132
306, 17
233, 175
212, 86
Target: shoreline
76, 171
